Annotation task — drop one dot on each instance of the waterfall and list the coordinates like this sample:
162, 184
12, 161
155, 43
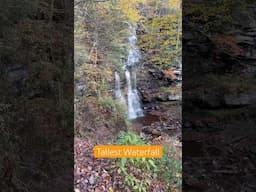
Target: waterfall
133, 99
134, 107
118, 94
133, 56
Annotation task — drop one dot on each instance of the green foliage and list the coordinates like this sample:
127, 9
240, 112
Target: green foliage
101, 25
140, 179
106, 102
116, 109
140, 164
100, 44
162, 41
129, 138
173, 176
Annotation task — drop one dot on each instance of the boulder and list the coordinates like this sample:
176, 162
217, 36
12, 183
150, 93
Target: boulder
174, 97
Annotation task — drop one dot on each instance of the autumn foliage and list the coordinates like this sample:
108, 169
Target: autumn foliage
169, 74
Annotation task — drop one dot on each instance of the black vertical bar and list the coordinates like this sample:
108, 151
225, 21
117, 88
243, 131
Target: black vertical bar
36, 104
219, 102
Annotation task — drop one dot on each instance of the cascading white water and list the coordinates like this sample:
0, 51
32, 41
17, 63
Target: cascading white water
118, 93
134, 107
133, 99
133, 56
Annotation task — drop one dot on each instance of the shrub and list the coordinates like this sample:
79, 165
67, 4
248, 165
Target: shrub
173, 176
138, 172
130, 167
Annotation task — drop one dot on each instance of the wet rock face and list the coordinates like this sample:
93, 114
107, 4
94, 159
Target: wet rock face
159, 85
153, 95
163, 122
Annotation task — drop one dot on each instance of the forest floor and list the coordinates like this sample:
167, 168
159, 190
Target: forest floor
161, 126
